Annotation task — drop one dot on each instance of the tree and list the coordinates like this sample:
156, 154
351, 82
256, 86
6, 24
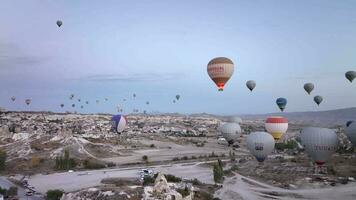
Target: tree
145, 158
35, 161
54, 194
3, 157
232, 156
12, 191
218, 173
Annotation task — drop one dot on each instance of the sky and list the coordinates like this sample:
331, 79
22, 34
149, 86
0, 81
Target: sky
158, 48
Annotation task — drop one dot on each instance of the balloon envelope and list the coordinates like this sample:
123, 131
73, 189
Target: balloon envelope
59, 23
318, 99
177, 96
319, 143
308, 87
118, 123
230, 131
350, 75
220, 70
28, 101
260, 144
13, 98
281, 103
350, 131
234, 119
276, 126
251, 85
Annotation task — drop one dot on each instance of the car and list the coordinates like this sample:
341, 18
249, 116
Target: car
29, 193
70, 171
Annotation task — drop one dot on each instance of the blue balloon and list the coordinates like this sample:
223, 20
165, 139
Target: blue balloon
118, 123
281, 102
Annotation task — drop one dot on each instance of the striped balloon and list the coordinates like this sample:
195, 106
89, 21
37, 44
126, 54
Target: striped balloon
319, 143
260, 144
220, 71
276, 126
119, 123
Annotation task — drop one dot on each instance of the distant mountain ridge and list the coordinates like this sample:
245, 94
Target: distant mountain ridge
327, 118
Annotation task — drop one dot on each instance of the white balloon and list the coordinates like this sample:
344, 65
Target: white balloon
234, 119
260, 144
230, 131
319, 143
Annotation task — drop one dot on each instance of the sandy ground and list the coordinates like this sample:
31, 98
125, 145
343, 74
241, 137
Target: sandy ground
166, 151
71, 181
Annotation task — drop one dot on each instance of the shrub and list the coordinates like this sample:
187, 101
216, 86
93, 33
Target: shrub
90, 164
111, 164
54, 194
147, 180
184, 192
145, 158
152, 146
175, 159
172, 178
195, 181
12, 191
3, 157
193, 157
218, 173
65, 162
185, 158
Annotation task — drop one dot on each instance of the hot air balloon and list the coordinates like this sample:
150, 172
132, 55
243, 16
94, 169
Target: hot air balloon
81, 107
230, 131
220, 70
350, 131
147, 102
62, 105
106, 99
124, 100
97, 101
318, 99
144, 112
59, 23
174, 101
319, 143
13, 98
281, 103
118, 123
276, 126
260, 144
28, 101
73, 105
251, 85
79, 100
71, 96
87, 102
350, 75
308, 87
134, 95
177, 96
234, 119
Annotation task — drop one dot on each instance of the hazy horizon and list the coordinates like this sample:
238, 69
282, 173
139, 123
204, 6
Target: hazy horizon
158, 49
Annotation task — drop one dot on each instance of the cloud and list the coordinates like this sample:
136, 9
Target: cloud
134, 77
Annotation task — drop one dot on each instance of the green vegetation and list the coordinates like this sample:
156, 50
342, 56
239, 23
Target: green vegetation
65, 162
54, 194
145, 158
91, 164
172, 178
218, 172
148, 180
184, 192
287, 145
152, 146
3, 157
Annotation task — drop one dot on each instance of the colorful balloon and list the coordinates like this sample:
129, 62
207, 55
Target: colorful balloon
281, 103
309, 87
118, 123
276, 126
220, 70
350, 75
319, 143
260, 144
230, 131
251, 85
13, 98
318, 99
